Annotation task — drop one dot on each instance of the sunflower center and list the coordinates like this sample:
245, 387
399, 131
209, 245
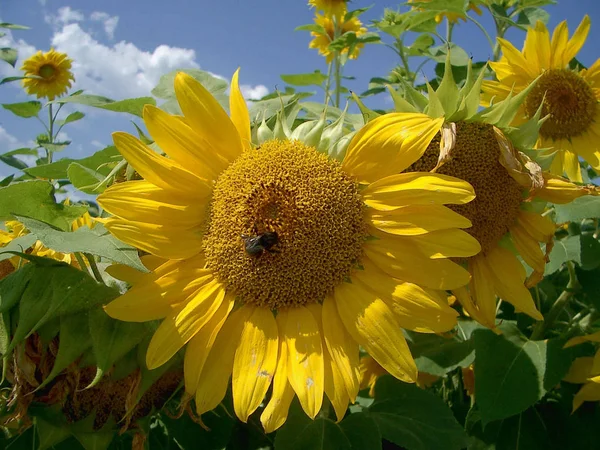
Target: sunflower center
286, 225
569, 100
475, 159
47, 71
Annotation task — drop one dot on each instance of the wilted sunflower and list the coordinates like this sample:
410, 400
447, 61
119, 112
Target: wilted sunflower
478, 147
569, 96
49, 74
282, 261
331, 8
321, 41
585, 370
453, 17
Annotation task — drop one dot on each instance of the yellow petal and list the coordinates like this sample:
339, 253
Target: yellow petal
482, 290
255, 362
590, 392
444, 244
305, 358
389, 144
577, 40
334, 387
155, 296
372, 324
528, 248
144, 202
594, 337
160, 240
416, 308
580, 370
239, 112
417, 188
416, 219
199, 346
183, 144
182, 324
214, 378
158, 170
206, 117
517, 60
340, 345
276, 411
559, 190
571, 166
405, 262
472, 309
537, 47
508, 276
560, 40
541, 228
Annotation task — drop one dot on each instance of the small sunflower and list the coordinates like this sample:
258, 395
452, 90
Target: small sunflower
452, 17
570, 97
331, 8
511, 190
585, 370
280, 261
49, 74
321, 41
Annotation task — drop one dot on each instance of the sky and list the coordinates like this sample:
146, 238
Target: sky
121, 48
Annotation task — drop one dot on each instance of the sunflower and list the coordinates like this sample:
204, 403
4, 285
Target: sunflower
452, 17
322, 40
568, 96
585, 370
280, 261
331, 8
48, 74
511, 190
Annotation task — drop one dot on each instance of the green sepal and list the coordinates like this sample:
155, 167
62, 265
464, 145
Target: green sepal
447, 92
332, 133
264, 133
526, 135
434, 108
400, 103
313, 137
413, 96
281, 130
367, 113
470, 95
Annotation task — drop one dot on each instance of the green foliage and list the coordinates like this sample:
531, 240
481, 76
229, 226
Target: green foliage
24, 109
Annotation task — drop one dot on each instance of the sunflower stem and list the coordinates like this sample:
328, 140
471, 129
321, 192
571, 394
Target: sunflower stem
50, 133
338, 79
559, 305
94, 267
328, 83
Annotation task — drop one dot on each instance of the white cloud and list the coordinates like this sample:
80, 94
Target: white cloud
62, 137
64, 15
43, 2
8, 141
254, 92
109, 22
97, 144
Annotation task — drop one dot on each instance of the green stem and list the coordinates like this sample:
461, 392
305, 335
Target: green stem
94, 268
81, 262
50, 132
328, 83
449, 28
338, 79
404, 59
558, 306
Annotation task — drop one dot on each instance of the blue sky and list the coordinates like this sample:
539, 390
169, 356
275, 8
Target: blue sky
121, 47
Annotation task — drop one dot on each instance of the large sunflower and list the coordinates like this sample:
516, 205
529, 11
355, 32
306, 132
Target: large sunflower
511, 190
321, 40
48, 74
570, 97
281, 261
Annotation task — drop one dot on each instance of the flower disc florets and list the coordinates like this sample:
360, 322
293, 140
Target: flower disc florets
475, 158
569, 100
305, 198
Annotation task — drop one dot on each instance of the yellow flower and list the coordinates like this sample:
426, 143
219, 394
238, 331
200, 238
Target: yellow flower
586, 371
570, 97
451, 16
471, 146
50, 74
330, 8
278, 267
321, 41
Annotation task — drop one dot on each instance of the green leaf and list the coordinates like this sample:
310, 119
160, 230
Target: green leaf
458, 56
35, 199
98, 440
7, 180
315, 78
438, 355
13, 286
9, 55
49, 434
73, 117
100, 161
24, 109
20, 244
362, 431
512, 372
188, 435
97, 241
587, 207
11, 79
86, 180
528, 17
311, 27
12, 26
13, 162
414, 418
112, 339
133, 106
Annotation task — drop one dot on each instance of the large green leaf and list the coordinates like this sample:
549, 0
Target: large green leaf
362, 431
97, 241
85, 179
35, 199
24, 109
101, 162
9, 55
316, 78
188, 435
133, 106
414, 418
73, 117
587, 207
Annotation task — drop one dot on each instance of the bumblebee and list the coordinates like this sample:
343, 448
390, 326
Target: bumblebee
256, 245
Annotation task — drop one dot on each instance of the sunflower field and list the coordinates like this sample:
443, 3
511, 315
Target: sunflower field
311, 269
